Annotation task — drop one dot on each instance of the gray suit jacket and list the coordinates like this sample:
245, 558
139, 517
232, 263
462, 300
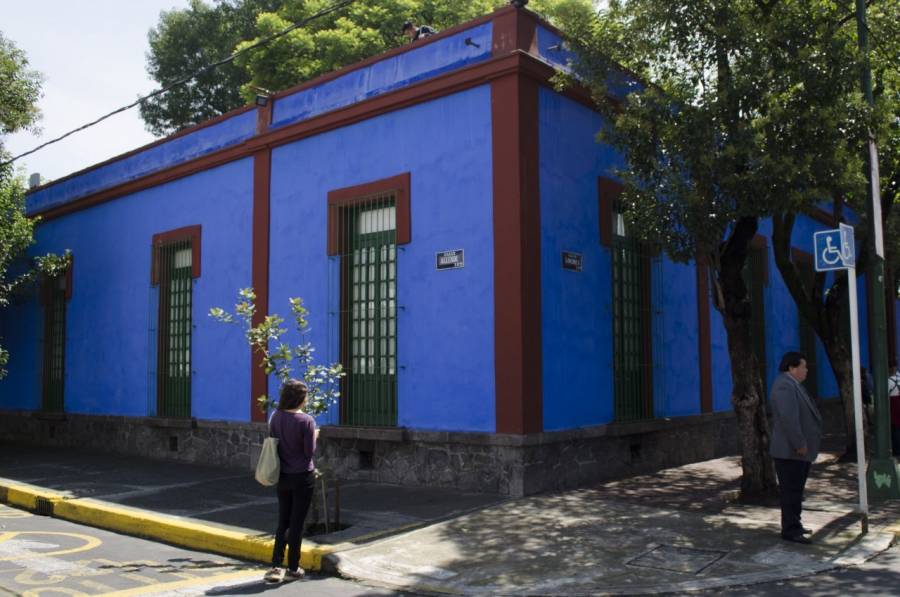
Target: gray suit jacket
796, 422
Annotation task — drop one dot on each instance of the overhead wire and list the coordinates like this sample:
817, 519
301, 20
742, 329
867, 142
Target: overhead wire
209, 67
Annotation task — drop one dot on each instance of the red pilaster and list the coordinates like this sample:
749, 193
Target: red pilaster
262, 170
517, 247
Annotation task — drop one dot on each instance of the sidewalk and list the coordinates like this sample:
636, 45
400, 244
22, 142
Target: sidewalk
671, 531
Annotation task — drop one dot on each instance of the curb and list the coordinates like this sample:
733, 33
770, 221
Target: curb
174, 530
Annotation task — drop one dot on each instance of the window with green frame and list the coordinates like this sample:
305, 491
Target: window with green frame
176, 257
369, 292
632, 321
56, 291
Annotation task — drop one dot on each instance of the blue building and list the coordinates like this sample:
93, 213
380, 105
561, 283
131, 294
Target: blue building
451, 223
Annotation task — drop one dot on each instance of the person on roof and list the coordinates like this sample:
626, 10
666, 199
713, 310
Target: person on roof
414, 33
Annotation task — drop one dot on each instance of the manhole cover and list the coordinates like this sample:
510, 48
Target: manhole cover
687, 560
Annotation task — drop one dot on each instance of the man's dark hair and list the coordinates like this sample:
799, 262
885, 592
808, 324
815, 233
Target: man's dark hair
293, 393
406, 26
790, 360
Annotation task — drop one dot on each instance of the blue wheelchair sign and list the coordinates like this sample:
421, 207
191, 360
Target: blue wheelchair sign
835, 249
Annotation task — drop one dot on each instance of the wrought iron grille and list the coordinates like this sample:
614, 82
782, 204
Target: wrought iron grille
368, 314
174, 340
54, 344
632, 325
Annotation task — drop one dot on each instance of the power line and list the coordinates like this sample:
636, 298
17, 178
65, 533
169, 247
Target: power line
263, 41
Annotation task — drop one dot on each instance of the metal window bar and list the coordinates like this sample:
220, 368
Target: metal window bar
54, 344
632, 325
754, 278
174, 345
368, 287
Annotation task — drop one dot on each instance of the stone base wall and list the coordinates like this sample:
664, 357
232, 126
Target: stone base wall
511, 465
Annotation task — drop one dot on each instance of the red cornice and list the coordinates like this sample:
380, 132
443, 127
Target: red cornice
465, 78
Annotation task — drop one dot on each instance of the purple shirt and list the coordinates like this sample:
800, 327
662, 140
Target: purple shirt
296, 433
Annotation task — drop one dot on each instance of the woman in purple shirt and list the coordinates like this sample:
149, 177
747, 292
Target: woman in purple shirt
296, 432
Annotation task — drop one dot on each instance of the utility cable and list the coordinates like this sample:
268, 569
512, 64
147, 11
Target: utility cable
261, 42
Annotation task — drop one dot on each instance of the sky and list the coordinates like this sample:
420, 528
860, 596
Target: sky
92, 56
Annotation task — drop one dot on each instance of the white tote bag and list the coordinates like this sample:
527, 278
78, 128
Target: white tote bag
269, 466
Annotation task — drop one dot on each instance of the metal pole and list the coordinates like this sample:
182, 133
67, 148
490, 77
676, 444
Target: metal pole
883, 476
857, 401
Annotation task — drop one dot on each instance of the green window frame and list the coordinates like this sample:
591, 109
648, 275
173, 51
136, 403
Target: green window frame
369, 293
56, 292
632, 322
175, 265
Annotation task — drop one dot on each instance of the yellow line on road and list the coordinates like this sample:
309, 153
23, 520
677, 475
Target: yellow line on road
183, 584
89, 543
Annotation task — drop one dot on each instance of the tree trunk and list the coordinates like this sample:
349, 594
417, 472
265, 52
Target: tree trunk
825, 312
748, 396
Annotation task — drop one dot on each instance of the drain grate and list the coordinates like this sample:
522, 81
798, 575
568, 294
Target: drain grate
43, 506
687, 560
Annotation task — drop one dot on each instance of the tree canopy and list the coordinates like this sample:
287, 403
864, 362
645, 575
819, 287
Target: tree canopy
728, 111
186, 40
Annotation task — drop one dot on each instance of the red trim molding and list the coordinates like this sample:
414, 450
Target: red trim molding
608, 190
517, 256
262, 177
704, 340
264, 117
349, 196
514, 30
164, 238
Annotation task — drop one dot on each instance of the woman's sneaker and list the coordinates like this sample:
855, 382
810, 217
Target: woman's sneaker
274, 575
297, 574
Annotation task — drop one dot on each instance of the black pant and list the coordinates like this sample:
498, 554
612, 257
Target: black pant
295, 493
792, 475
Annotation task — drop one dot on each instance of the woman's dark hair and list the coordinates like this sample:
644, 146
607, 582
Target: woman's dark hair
293, 393
790, 360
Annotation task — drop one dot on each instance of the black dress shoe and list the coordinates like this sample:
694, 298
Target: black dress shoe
797, 539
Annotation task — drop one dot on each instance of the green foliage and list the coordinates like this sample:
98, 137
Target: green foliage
753, 108
20, 88
279, 357
186, 40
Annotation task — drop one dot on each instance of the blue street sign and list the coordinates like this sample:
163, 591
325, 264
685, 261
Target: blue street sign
834, 249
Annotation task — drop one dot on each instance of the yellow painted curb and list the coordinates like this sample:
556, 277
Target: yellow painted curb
151, 525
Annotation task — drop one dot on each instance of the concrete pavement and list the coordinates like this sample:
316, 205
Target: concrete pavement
675, 530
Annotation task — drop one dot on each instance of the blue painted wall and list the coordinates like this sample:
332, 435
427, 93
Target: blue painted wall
402, 70
231, 131
446, 319
110, 335
576, 307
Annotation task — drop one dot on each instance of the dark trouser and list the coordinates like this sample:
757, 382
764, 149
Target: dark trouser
895, 440
792, 476
294, 496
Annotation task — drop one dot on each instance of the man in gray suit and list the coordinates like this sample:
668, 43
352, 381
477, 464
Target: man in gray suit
796, 435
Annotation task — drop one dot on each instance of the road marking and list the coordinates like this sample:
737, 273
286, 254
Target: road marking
139, 578
5, 539
52, 590
7, 512
168, 588
96, 586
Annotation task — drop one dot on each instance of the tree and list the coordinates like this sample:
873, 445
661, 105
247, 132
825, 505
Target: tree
186, 40
732, 111
20, 89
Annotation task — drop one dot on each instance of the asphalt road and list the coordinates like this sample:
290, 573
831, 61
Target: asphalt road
42, 556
